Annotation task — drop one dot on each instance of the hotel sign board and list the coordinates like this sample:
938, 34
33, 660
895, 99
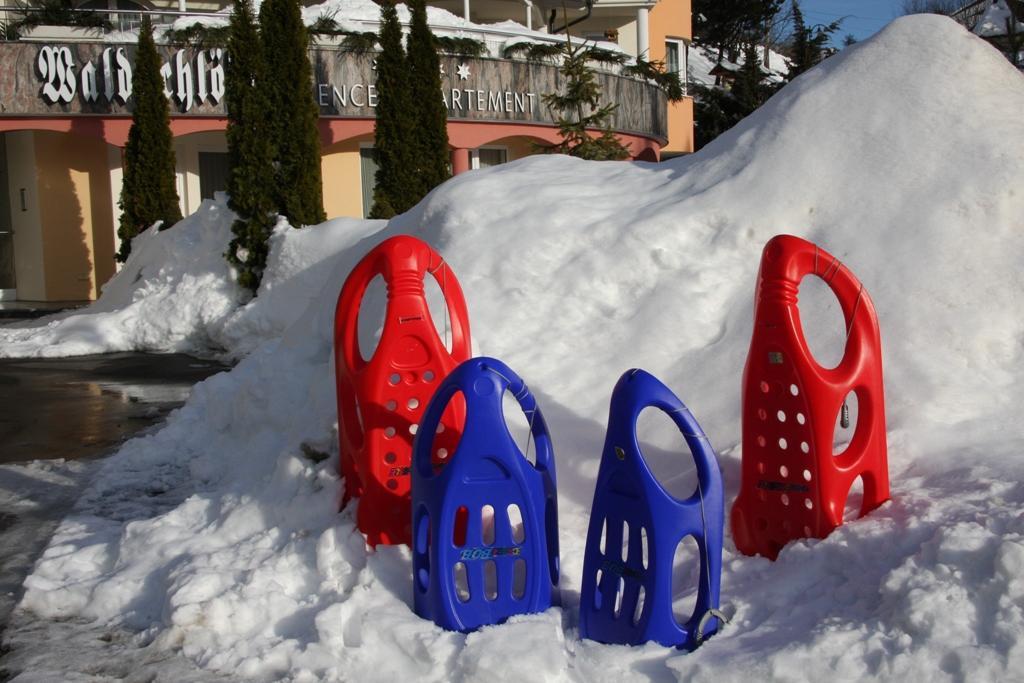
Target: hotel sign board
82, 79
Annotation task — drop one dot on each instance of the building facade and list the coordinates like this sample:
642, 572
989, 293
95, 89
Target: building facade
65, 112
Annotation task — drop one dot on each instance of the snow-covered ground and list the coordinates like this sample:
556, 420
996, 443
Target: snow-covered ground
217, 537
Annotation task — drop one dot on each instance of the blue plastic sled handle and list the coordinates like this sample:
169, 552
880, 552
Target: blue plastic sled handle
471, 566
629, 499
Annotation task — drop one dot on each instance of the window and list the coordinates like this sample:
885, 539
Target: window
368, 176
674, 55
485, 157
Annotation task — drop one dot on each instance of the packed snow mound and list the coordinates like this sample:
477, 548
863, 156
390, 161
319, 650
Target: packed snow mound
218, 535
177, 293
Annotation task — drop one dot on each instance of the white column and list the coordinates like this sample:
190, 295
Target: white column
181, 6
529, 14
465, 9
643, 40
116, 178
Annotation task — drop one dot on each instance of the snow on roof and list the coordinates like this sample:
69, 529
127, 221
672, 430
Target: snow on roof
364, 15
218, 538
994, 21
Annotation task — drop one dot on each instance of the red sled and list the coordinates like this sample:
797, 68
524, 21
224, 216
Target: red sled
793, 486
381, 399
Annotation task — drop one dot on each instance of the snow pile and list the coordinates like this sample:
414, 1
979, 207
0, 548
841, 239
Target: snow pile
177, 293
218, 534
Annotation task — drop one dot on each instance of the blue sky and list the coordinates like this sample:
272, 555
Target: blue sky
863, 17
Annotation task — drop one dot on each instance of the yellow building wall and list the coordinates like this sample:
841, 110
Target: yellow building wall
339, 165
76, 218
672, 19
30, 272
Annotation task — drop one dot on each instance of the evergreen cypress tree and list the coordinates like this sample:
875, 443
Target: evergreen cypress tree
579, 108
431, 115
148, 192
749, 88
394, 189
289, 84
809, 43
251, 176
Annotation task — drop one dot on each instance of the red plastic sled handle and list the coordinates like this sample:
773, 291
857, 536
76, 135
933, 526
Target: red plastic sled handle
385, 259
787, 260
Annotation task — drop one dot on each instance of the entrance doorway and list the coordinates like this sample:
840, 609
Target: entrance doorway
8, 286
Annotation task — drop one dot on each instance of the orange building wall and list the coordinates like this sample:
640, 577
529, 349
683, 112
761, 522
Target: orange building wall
672, 19
76, 217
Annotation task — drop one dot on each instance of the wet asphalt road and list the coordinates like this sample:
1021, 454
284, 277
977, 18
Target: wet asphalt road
84, 406
65, 413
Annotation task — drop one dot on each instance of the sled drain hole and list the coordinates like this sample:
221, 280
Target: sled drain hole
623, 554
519, 579
620, 591
460, 577
489, 521
638, 612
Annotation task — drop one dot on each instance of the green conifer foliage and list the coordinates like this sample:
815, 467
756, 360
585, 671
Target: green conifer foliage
809, 43
294, 135
431, 116
148, 192
579, 108
251, 181
394, 189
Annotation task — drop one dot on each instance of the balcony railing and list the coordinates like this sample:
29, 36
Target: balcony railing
129, 21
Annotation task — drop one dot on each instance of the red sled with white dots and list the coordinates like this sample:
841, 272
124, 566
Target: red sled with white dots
381, 399
793, 483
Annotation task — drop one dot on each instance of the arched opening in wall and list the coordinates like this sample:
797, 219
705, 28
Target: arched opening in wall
647, 154
503, 150
201, 168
